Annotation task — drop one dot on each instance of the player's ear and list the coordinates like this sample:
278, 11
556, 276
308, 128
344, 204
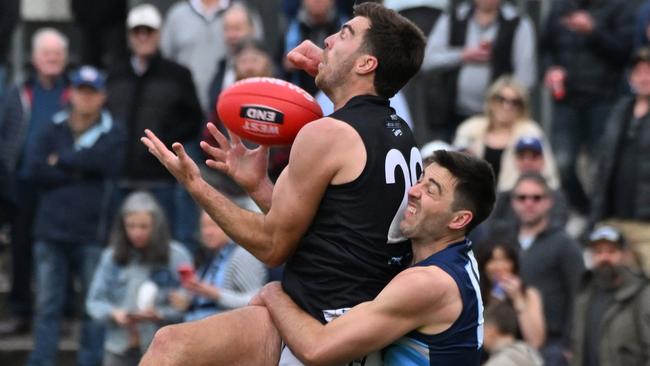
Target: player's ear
367, 64
460, 219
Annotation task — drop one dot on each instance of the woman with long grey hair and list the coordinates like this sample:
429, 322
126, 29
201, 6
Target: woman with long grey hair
129, 292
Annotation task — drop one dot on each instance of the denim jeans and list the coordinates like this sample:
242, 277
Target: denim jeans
54, 263
573, 128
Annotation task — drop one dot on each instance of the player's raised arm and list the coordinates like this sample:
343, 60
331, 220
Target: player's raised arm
317, 157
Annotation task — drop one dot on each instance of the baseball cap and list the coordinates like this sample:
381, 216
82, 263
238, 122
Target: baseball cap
606, 233
529, 144
145, 15
88, 76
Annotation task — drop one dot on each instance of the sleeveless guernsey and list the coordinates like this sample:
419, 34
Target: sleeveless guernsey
353, 247
460, 345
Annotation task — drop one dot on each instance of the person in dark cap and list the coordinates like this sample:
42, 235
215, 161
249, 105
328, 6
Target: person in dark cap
531, 155
622, 189
611, 326
529, 158
73, 159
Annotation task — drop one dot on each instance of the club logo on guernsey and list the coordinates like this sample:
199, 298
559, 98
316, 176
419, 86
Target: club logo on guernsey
261, 120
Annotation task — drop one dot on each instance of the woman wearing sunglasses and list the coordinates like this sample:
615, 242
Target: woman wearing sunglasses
494, 135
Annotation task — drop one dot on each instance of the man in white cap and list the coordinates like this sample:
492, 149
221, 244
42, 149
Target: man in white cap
149, 91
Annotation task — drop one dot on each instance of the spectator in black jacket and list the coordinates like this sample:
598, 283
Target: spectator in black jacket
585, 46
148, 91
622, 190
102, 30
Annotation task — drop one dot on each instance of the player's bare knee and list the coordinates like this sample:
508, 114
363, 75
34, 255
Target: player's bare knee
164, 348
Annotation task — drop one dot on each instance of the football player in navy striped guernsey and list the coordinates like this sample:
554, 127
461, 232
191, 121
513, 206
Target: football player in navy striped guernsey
430, 313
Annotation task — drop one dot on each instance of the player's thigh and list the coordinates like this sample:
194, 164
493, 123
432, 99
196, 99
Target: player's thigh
244, 336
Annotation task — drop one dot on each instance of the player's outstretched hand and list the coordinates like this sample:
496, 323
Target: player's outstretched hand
177, 162
248, 167
306, 56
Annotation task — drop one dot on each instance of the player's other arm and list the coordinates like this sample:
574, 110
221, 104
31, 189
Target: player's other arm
418, 298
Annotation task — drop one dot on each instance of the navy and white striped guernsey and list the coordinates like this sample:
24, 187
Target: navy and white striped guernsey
460, 345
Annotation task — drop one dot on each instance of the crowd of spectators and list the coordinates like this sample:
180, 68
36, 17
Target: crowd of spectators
75, 179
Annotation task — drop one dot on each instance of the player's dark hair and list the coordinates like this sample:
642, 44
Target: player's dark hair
503, 315
396, 42
475, 183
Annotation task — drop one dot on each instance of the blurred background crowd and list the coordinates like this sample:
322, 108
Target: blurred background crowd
554, 94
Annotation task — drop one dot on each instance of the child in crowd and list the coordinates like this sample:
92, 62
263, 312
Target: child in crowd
501, 339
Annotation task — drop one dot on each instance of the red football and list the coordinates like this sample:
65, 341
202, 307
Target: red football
267, 111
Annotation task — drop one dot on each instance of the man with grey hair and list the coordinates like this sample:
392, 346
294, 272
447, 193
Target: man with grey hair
29, 107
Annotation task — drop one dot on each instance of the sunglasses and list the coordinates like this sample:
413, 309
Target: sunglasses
515, 102
533, 197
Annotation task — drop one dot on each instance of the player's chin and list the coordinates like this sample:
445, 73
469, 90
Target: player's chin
407, 227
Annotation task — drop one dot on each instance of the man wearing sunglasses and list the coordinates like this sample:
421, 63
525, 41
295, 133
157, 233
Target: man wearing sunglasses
551, 261
530, 156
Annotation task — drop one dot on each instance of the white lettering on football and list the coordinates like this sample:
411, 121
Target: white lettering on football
260, 128
260, 115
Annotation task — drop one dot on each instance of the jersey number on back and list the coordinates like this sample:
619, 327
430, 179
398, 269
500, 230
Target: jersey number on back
395, 160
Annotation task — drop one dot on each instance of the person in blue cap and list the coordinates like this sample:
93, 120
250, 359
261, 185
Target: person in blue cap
73, 158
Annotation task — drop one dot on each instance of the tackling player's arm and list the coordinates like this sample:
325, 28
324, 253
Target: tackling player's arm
319, 156
423, 298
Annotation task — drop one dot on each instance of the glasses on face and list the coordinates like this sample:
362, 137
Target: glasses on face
533, 197
514, 102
